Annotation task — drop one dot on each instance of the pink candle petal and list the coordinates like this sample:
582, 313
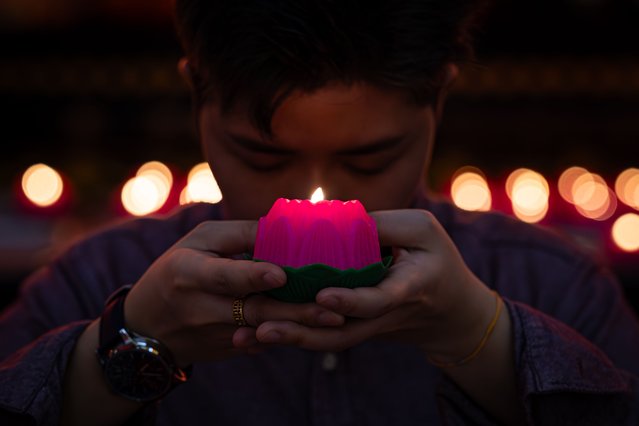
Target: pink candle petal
363, 244
321, 243
274, 245
298, 232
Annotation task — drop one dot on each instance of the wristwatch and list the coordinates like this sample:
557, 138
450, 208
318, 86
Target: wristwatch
135, 367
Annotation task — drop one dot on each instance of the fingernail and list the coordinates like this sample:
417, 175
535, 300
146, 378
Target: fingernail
274, 279
330, 303
272, 337
330, 318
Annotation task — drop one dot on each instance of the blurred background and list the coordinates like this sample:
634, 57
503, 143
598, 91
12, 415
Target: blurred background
544, 127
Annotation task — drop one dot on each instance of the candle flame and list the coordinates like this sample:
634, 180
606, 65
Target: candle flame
318, 195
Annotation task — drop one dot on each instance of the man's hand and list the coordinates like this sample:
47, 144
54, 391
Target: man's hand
429, 298
185, 298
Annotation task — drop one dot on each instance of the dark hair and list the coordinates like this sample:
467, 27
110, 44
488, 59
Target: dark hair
254, 53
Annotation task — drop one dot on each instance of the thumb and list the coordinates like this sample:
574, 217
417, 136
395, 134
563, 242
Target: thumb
409, 228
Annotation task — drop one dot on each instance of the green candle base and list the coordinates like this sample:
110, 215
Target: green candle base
304, 283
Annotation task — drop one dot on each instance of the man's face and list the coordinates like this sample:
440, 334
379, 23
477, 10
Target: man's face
356, 142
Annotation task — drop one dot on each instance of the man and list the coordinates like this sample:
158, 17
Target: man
481, 320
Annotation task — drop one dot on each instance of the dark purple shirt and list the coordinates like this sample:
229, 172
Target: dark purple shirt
576, 341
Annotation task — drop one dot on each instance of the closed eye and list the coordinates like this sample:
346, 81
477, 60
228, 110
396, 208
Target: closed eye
260, 156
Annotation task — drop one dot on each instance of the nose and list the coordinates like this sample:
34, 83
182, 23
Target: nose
326, 175
310, 175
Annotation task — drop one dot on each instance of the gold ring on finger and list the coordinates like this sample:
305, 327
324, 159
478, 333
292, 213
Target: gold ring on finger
238, 311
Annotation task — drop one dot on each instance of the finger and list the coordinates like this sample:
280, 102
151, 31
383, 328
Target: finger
259, 309
370, 302
194, 269
244, 338
411, 228
222, 237
317, 339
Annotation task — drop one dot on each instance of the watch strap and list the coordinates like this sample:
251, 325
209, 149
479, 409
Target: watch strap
112, 321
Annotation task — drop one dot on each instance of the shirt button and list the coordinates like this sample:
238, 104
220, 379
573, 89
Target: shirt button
329, 361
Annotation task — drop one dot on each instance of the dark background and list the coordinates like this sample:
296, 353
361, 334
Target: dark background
91, 88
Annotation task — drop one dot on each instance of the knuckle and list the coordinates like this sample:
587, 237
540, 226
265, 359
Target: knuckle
255, 277
347, 306
175, 262
426, 218
195, 236
205, 227
218, 276
222, 281
386, 305
247, 233
310, 315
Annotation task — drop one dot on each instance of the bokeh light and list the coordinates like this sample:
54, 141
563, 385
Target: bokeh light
529, 192
625, 232
470, 191
593, 198
160, 175
156, 168
148, 191
201, 186
42, 185
567, 181
627, 187
141, 196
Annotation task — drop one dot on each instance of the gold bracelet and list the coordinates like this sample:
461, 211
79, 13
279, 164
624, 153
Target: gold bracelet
482, 342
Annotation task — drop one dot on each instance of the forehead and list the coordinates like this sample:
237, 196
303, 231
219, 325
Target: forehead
337, 116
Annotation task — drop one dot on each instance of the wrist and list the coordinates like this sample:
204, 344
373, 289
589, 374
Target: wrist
467, 327
136, 367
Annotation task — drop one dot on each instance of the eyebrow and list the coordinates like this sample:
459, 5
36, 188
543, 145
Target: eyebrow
370, 148
258, 146
380, 145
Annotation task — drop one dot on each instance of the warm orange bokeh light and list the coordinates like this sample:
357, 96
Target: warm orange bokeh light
627, 187
528, 192
318, 195
470, 190
567, 181
201, 186
593, 198
531, 217
141, 196
156, 168
160, 175
625, 232
521, 175
148, 191
42, 185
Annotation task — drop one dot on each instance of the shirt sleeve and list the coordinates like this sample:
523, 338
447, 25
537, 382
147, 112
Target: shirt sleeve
39, 330
565, 378
38, 333
31, 378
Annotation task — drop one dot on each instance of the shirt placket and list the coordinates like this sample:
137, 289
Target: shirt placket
330, 400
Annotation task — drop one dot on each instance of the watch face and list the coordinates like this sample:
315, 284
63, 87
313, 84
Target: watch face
138, 374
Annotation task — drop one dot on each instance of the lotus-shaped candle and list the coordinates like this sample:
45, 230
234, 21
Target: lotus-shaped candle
319, 244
